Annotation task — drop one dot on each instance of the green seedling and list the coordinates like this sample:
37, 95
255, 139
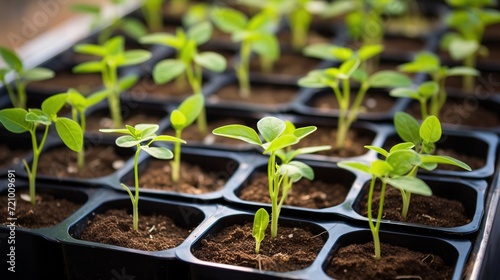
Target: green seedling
260, 224
399, 161
338, 79
79, 105
468, 20
152, 11
189, 61
22, 76
297, 13
136, 136
423, 139
429, 63
113, 56
254, 34
18, 120
423, 94
277, 137
181, 118
130, 26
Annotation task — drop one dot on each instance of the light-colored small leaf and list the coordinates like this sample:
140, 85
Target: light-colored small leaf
158, 152
38, 74
388, 78
430, 130
168, 69
70, 133
127, 141
270, 128
407, 127
410, 184
379, 150
355, 165
211, 61
53, 104
239, 132
445, 160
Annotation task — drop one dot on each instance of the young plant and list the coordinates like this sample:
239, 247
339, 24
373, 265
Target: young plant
468, 18
18, 120
79, 105
254, 34
423, 139
338, 79
130, 26
429, 63
390, 171
260, 224
277, 137
141, 137
152, 11
423, 94
181, 118
22, 76
113, 56
189, 61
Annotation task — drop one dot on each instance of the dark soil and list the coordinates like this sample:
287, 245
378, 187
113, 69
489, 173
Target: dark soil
313, 37
114, 227
426, 210
265, 95
100, 161
289, 64
193, 179
191, 133
11, 155
487, 85
460, 112
402, 45
374, 102
48, 210
65, 79
356, 261
314, 194
353, 146
292, 249
146, 88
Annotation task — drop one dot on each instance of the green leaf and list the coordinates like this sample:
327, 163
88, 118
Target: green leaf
314, 79
368, 51
37, 116
379, 150
311, 150
388, 78
178, 120
349, 66
445, 160
114, 46
430, 130
425, 62
147, 130
354, 165
134, 57
337, 8
404, 93
281, 142
270, 128
321, 51
127, 82
428, 89
158, 152
201, 32
403, 161
53, 104
70, 133
127, 141
114, 130
240, 132
229, 20
76, 100
302, 132
360, 75
407, 128
267, 46
167, 138
295, 170
342, 53
410, 184
38, 74
11, 59
165, 39
191, 108
86, 8
260, 224
460, 48
90, 49
402, 146
462, 71
380, 168
168, 69
14, 120
89, 67
134, 28
211, 61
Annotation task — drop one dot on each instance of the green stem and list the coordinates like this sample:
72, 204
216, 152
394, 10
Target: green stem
266, 64
356, 105
299, 25
110, 80
37, 149
373, 228
135, 200
423, 109
273, 193
343, 111
176, 163
12, 94
152, 11
21, 93
468, 81
406, 203
376, 239
81, 153
243, 68
195, 79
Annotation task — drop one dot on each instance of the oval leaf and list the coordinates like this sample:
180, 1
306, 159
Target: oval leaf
70, 133
211, 61
158, 152
168, 69
410, 184
240, 132
270, 128
14, 120
430, 130
407, 127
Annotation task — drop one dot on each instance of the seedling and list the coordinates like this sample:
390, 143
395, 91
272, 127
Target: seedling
22, 76
423, 94
260, 224
79, 105
18, 120
181, 118
189, 61
429, 63
277, 137
297, 13
254, 34
152, 11
469, 19
130, 26
112, 56
136, 136
423, 139
390, 171
332, 77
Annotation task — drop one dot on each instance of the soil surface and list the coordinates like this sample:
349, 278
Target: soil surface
426, 210
353, 146
356, 261
265, 95
65, 79
11, 155
114, 227
315, 194
48, 210
146, 88
193, 179
374, 102
289, 64
99, 161
292, 249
